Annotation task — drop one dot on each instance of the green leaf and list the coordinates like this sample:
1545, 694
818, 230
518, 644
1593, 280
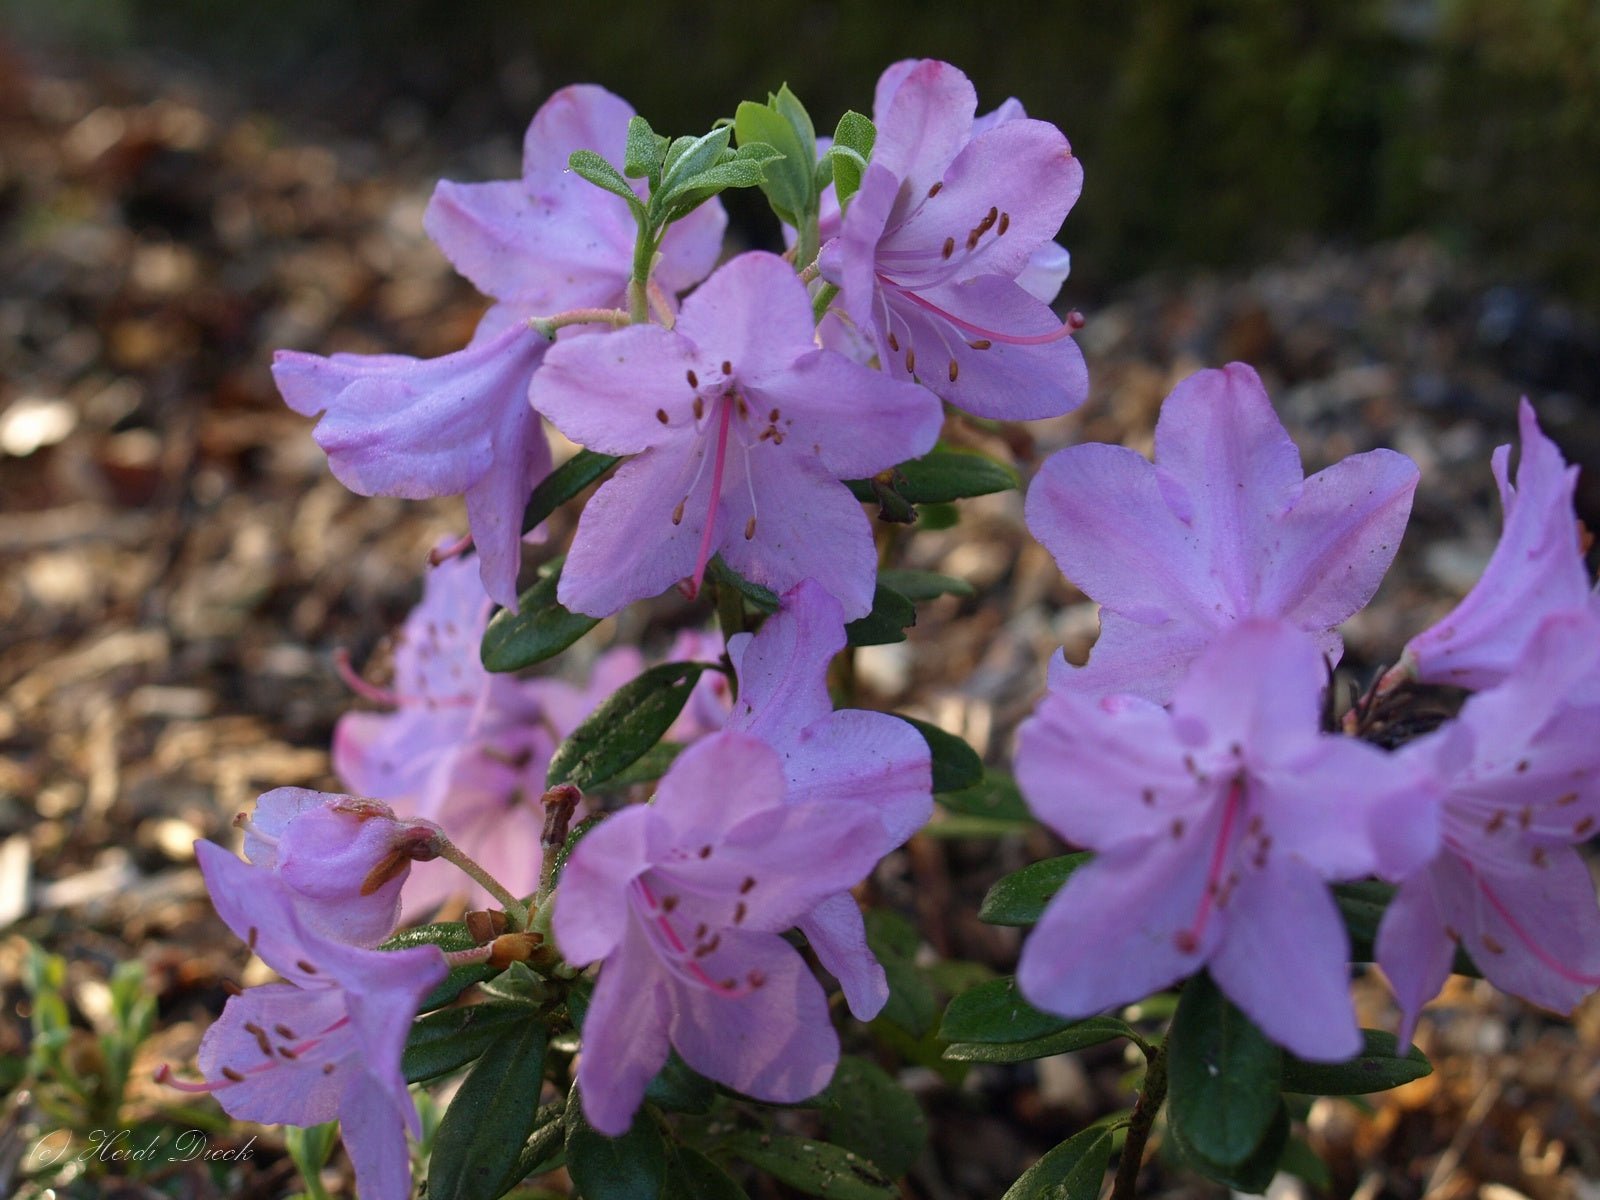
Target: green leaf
564, 483
545, 1150
865, 1110
688, 157
852, 148
678, 1088
649, 768
1020, 897
893, 940
1074, 1170
642, 157
994, 1011
621, 730
603, 175
1078, 1036
452, 1037
783, 124
925, 585
815, 1168
956, 765
746, 170
1254, 1173
447, 935
630, 1167
1301, 1161
762, 599
541, 627
941, 476
480, 1140
933, 517
891, 613
1223, 1074
693, 1176
1377, 1068
996, 797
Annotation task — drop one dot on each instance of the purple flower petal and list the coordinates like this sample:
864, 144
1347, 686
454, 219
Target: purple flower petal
838, 936
1284, 961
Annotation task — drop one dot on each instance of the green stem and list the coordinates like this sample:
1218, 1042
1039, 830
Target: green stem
516, 910
730, 610
1151, 1097
644, 255
806, 239
819, 306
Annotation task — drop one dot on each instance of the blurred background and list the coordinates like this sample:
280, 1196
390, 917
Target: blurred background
1389, 207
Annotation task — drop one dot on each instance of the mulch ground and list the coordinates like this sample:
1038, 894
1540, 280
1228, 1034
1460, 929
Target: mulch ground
179, 569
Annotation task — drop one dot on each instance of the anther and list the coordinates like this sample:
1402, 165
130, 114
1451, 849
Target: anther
749, 529
749, 882
955, 370
1177, 827
668, 903
1148, 796
661, 415
1539, 858
694, 380
949, 247
972, 238
1496, 822
1525, 817
287, 1053
1583, 827
774, 415
251, 940
934, 190
894, 342
1522, 766
989, 218
308, 968
744, 409
981, 344
230, 1073
1492, 946
1569, 798
1005, 224
727, 367
327, 1068
1185, 941
705, 851
705, 948
699, 406
739, 911
284, 1031
911, 360
756, 979
677, 513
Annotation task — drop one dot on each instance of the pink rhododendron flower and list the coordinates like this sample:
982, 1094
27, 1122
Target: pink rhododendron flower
1223, 526
870, 759
929, 254
1519, 771
344, 859
1216, 825
324, 1044
1049, 265
463, 747
683, 900
399, 426
1537, 569
743, 429
551, 240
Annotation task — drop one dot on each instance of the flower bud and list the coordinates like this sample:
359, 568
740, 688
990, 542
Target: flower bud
344, 859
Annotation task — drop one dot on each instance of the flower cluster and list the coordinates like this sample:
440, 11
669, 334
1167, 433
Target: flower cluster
1189, 753
757, 403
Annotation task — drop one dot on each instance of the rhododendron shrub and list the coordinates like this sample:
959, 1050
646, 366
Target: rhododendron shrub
652, 956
